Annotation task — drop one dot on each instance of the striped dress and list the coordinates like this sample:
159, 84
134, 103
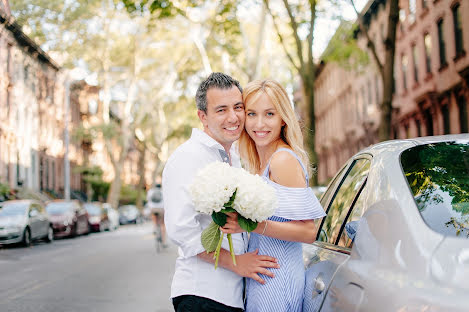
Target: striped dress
284, 292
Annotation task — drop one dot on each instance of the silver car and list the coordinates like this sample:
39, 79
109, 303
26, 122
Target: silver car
395, 237
22, 221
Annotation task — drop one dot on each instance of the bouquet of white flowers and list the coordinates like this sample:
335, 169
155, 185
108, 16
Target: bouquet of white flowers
218, 189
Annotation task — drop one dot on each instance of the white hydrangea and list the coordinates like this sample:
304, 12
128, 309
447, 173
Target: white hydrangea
255, 199
212, 187
215, 184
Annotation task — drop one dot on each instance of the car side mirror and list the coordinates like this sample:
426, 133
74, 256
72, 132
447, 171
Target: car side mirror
351, 229
33, 213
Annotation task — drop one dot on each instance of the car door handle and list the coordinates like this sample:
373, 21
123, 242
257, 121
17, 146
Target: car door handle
319, 285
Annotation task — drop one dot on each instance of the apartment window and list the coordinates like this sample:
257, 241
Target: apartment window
427, 39
404, 63
458, 30
462, 105
428, 121
441, 43
445, 113
412, 4
424, 4
415, 60
418, 124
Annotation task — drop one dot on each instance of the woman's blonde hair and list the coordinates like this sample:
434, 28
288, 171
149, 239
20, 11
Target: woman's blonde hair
290, 133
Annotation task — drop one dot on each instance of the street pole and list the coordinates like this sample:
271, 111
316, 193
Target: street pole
67, 140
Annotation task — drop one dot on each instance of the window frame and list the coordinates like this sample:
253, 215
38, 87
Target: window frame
342, 175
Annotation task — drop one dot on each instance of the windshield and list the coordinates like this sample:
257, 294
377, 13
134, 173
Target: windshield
13, 209
59, 208
93, 209
438, 175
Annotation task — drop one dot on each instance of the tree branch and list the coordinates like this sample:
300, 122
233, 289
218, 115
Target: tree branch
370, 43
294, 26
280, 37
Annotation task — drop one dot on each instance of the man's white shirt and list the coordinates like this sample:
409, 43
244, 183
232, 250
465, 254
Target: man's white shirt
194, 276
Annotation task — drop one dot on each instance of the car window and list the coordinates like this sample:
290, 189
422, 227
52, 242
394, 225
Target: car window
343, 199
351, 224
331, 187
438, 176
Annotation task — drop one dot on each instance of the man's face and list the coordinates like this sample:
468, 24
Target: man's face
224, 119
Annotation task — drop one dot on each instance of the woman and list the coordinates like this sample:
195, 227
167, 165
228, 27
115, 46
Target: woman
272, 146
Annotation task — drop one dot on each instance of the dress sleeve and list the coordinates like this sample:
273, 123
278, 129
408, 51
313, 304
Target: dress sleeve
297, 203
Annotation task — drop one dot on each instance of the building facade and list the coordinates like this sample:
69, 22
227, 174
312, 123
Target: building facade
431, 82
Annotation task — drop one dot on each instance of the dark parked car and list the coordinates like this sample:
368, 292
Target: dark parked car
97, 216
129, 214
22, 221
68, 218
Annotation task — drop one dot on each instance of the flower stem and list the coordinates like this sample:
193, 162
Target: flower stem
230, 240
217, 251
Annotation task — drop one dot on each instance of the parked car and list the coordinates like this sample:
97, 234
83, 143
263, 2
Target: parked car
68, 218
22, 221
113, 216
129, 214
97, 216
395, 237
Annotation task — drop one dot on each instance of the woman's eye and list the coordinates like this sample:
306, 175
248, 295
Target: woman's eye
270, 114
250, 114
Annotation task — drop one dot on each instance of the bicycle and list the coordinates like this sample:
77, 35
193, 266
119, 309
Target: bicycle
158, 239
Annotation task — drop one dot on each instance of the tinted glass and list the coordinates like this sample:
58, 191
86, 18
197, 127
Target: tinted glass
438, 175
93, 209
13, 209
358, 210
343, 200
59, 208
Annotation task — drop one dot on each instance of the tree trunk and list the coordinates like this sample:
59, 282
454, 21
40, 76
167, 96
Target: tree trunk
116, 184
385, 126
308, 87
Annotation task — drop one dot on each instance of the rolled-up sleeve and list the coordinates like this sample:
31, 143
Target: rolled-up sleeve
182, 225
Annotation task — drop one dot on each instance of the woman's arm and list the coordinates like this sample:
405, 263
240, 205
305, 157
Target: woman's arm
295, 231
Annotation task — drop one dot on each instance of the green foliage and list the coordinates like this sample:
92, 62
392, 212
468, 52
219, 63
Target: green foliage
343, 49
210, 237
443, 166
219, 218
5, 192
100, 189
129, 193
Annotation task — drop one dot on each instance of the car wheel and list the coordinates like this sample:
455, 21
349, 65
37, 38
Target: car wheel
26, 237
50, 235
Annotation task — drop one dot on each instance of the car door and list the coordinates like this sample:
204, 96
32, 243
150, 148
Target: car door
331, 249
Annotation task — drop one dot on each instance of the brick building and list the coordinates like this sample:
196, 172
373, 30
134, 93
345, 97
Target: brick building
431, 82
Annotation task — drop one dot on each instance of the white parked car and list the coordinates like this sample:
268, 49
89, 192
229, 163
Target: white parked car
22, 221
395, 237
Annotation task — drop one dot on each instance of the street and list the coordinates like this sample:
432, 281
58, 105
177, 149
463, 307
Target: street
105, 272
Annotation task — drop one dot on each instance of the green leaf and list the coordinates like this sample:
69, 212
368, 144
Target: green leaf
210, 237
247, 224
226, 210
230, 202
219, 218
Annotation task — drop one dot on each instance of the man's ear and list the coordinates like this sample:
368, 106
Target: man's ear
202, 116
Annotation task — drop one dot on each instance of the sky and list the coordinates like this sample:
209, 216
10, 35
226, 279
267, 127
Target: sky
326, 25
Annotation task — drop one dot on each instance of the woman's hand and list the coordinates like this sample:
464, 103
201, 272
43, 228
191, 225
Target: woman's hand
232, 225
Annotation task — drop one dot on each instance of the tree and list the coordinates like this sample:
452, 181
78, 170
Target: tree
301, 17
385, 66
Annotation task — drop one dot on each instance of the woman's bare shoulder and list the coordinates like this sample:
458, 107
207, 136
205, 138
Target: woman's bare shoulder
286, 170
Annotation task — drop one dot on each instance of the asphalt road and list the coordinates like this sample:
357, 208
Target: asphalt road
104, 272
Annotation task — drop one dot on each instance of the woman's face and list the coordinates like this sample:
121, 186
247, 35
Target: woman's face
263, 122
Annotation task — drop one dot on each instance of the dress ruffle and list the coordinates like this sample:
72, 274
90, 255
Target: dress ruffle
296, 203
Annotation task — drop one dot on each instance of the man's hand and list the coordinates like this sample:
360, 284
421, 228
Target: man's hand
251, 264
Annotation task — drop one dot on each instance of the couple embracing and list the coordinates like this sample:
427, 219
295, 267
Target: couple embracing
269, 274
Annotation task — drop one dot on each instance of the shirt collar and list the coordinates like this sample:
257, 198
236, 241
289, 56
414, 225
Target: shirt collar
207, 140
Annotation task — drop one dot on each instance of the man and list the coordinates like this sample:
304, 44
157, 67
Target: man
196, 285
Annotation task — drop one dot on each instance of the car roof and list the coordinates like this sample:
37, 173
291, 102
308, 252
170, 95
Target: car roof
399, 145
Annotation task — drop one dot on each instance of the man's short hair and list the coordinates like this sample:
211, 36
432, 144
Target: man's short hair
215, 80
